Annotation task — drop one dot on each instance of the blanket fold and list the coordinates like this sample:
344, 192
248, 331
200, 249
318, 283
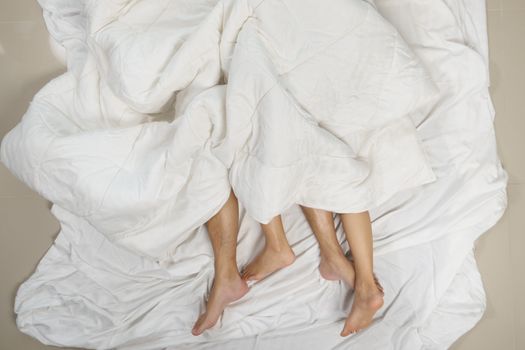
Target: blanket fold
167, 105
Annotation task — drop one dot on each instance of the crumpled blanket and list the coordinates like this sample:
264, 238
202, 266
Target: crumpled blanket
167, 104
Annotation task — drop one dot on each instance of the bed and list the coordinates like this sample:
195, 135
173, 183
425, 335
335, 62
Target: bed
131, 270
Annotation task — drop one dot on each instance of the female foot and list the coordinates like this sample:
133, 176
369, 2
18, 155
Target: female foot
268, 261
224, 291
368, 299
335, 266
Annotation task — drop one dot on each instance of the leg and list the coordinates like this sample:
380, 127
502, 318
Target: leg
276, 254
368, 291
227, 285
334, 264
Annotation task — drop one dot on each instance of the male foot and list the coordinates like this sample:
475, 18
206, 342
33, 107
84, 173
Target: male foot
224, 291
368, 299
267, 262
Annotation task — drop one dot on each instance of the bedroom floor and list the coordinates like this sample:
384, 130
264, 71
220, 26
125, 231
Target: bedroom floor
500, 260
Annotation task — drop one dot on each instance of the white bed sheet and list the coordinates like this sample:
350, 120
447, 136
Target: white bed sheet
90, 292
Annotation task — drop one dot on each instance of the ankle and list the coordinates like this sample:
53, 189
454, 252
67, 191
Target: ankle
365, 281
227, 273
332, 255
279, 247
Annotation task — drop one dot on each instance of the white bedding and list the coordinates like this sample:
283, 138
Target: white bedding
134, 169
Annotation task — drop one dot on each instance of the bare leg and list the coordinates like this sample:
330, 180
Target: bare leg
334, 264
227, 285
368, 291
276, 254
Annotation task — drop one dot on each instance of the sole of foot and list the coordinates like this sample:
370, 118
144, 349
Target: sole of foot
368, 299
337, 268
223, 292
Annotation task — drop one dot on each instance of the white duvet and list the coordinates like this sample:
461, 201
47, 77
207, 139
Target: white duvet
346, 106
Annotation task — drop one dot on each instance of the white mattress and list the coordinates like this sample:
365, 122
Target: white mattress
132, 264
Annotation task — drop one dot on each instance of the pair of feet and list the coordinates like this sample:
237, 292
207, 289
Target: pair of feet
230, 286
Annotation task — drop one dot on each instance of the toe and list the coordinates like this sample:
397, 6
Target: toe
346, 332
347, 329
196, 330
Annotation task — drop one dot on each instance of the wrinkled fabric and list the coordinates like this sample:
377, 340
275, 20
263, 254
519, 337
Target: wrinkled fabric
166, 105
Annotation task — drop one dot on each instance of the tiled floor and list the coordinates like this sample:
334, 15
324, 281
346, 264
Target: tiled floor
499, 255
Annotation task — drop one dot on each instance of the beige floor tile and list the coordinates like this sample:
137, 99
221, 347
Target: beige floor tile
24, 242
23, 72
512, 4
508, 57
19, 10
495, 58
493, 4
517, 244
512, 39
496, 329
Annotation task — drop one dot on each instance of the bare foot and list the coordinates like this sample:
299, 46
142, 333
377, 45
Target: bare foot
335, 267
338, 268
368, 299
224, 291
267, 262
